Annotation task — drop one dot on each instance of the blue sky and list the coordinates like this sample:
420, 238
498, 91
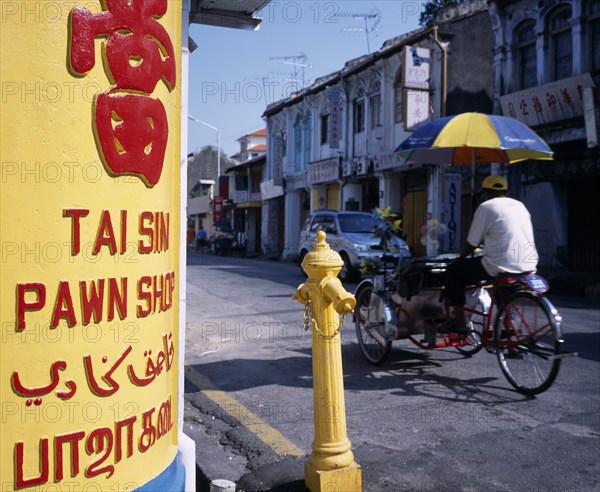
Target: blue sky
232, 78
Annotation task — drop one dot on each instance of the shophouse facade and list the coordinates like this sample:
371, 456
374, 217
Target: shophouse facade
202, 185
246, 198
332, 145
546, 70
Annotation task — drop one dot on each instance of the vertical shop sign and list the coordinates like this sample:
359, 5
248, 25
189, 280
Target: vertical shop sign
335, 107
417, 70
217, 208
452, 212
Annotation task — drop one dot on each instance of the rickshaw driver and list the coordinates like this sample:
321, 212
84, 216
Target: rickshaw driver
503, 226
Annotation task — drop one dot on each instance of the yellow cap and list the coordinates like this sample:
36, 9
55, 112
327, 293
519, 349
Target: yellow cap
494, 182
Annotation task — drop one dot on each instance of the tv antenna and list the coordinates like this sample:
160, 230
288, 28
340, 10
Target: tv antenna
299, 64
370, 24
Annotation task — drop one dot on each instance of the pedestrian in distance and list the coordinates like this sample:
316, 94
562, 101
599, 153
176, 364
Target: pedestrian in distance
242, 242
502, 227
201, 240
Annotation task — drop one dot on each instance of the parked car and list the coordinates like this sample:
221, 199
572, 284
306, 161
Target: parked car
351, 235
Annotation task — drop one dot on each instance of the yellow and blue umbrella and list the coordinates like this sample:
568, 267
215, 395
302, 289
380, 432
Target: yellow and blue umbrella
473, 138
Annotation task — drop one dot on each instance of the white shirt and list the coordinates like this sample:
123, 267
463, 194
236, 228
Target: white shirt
504, 227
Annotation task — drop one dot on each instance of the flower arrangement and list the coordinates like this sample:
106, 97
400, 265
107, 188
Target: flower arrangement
370, 266
388, 225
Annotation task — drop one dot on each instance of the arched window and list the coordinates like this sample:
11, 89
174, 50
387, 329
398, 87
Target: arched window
375, 104
307, 139
561, 43
526, 54
398, 98
298, 143
359, 111
283, 143
594, 34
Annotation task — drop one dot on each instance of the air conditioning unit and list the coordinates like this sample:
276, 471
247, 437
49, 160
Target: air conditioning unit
349, 168
362, 167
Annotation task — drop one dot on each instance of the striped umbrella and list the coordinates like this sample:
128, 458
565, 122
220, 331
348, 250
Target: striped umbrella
473, 138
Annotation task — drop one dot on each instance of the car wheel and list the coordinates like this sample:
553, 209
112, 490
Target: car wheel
301, 258
347, 272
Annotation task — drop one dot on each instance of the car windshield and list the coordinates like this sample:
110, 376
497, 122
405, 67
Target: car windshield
357, 223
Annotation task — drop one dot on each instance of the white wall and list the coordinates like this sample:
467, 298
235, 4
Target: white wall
548, 215
293, 204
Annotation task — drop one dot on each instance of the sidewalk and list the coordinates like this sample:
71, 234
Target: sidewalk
572, 283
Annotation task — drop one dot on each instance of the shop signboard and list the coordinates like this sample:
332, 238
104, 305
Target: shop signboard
335, 116
89, 207
416, 108
325, 171
416, 67
389, 160
452, 212
278, 144
548, 103
591, 103
417, 72
217, 208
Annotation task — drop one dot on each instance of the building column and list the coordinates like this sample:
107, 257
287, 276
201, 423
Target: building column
434, 188
293, 206
579, 48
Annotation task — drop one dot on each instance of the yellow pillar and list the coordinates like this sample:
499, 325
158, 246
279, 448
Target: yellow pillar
89, 226
331, 465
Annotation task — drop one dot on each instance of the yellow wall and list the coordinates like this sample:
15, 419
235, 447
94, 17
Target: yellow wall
71, 386
326, 196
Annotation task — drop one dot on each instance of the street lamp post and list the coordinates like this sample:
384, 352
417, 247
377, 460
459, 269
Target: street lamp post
218, 147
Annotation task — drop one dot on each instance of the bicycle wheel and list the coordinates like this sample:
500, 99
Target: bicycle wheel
473, 343
528, 334
368, 318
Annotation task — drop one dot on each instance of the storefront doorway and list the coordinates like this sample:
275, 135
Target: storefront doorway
584, 223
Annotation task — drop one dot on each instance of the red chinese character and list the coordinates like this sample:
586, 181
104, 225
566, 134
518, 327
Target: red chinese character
523, 107
511, 110
551, 99
537, 105
132, 128
566, 97
136, 45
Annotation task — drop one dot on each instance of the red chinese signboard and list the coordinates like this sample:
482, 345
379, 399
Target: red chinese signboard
217, 208
556, 101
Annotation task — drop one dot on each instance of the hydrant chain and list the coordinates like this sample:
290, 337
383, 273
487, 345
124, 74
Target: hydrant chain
308, 319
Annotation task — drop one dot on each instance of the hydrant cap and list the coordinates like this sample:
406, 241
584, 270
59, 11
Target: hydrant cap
322, 256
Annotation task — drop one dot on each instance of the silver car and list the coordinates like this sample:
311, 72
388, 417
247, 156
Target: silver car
351, 235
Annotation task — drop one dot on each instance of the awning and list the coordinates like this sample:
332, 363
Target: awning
249, 205
227, 13
255, 161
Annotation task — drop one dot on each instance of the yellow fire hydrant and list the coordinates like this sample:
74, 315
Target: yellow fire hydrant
331, 465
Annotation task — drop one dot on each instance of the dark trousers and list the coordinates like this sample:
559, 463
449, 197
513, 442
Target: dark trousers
461, 273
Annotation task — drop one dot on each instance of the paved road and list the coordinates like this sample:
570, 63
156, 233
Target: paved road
425, 421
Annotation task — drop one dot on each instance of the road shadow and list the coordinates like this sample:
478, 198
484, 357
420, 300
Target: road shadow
408, 373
